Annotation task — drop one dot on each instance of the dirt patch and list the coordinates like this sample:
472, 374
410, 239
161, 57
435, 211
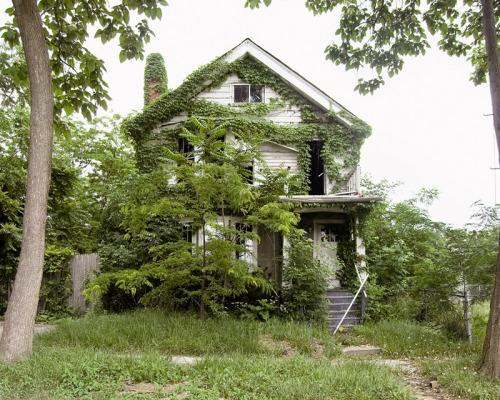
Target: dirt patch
425, 388
287, 349
147, 387
318, 350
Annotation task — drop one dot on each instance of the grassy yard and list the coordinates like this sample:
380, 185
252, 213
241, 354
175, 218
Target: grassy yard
100, 357
129, 356
451, 362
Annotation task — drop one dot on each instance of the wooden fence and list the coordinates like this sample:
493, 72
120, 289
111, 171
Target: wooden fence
83, 268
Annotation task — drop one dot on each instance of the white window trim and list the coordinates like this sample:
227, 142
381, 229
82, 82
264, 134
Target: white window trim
264, 92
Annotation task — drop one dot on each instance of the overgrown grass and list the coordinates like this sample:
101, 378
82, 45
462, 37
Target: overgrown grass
479, 313
459, 376
77, 373
452, 362
94, 358
68, 373
301, 378
410, 339
167, 333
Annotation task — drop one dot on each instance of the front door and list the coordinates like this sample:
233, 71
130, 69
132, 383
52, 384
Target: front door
326, 240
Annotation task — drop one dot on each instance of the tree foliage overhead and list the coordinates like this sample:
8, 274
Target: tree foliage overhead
379, 34
77, 74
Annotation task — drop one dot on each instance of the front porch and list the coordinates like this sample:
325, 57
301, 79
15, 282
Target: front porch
330, 221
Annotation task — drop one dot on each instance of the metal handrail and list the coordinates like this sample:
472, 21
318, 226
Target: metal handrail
352, 302
359, 277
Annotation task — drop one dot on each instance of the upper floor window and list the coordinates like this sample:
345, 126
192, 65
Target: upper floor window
186, 148
248, 94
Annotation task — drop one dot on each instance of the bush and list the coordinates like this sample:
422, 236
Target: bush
305, 281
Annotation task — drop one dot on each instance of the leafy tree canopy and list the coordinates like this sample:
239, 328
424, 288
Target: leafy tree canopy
381, 33
77, 74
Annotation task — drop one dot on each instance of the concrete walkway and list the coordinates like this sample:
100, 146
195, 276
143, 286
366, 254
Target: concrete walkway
39, 328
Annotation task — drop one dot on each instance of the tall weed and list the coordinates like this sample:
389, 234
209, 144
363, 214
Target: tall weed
411, 339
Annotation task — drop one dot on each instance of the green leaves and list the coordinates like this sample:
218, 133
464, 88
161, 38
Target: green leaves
77, 74
380, 34
256, 3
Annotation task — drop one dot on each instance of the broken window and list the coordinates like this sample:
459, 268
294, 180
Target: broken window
317, 168
248, 93
186, 148
330, 233
248, 175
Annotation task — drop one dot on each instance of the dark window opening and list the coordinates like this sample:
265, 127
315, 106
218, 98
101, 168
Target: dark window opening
187, 235
249, 174
240, 241
248, 94
186, 148
256, 94
317, 171
330, 233
241, 94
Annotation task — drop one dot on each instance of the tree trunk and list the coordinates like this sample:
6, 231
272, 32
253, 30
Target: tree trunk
17, 338
490, 359
202, 296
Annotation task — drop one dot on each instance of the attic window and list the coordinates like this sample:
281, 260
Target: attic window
248, 94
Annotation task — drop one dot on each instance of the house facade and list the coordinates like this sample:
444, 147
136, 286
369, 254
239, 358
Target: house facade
305, 131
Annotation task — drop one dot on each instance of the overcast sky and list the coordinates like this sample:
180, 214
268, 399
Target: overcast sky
429, 123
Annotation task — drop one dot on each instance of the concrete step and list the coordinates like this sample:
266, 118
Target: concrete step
361, 350
340, 306
346, 323
339, 314
337, 294
339, 301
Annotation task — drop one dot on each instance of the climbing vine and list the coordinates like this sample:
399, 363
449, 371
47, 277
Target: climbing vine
342, 140
155, 78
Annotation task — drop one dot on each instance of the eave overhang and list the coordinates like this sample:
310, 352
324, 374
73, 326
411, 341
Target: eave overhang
309, 203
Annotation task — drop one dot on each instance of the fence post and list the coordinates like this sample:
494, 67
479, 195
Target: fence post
83, 267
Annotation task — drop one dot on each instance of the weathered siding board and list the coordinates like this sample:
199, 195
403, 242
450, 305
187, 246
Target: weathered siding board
291, 115
83, 267
223, 95
275, 155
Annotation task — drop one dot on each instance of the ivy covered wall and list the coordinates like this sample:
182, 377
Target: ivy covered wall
342, 141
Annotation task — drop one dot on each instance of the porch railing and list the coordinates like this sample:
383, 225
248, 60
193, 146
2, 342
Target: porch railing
360, 289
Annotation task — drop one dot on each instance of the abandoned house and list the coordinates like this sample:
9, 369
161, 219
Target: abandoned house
305, 132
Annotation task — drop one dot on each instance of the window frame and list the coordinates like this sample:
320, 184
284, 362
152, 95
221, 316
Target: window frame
233, 87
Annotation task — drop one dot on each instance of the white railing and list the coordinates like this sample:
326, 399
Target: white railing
353, 184
361, 287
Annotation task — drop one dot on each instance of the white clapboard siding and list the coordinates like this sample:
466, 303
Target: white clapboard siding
223, 95
276, 156
290, 115
172, 123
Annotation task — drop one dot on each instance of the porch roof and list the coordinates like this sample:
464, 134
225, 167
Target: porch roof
330, 199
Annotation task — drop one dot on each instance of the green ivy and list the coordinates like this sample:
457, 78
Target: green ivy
341, 152
155, 77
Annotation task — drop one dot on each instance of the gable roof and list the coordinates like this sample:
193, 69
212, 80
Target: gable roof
177, 100
297, 81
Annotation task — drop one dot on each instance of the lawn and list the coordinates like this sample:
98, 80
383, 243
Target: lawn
102, 357
129, 356
451, 362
